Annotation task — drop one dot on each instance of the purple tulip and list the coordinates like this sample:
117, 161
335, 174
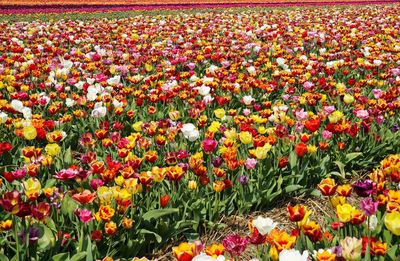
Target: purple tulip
369, 206
364, 188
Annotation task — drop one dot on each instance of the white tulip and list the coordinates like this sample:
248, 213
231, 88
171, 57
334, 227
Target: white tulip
293, 255
114, 80
205, 257
264, 225
69, 102
190, 132
17, 105
247, 100
27, 112
251, 70
203, 90
99, 110
3, 117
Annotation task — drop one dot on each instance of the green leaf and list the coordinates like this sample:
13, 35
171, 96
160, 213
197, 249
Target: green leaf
78, 256
316, 193
292, 188
3, 258
353, 155
47, 239
341, 168
68, 205
61, 257
387, 235
157, 213
68, 157
50, 183
392, 252
292, 159
89, 256
148, 232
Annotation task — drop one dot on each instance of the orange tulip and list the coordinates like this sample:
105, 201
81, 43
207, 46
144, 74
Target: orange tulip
84, 197
297, 212
327, 187
184, 252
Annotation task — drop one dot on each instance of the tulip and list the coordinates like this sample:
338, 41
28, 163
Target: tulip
11, 201
209, 145
264, 225
324, 255
235, 244
30, 133
363, 188
327, 187
105, 213
301, 149
164, 200
184, 252
392, 222
369, 206
41, 211
297, 212
52, 149
313, 231
84, 215
85, 197
344, 212
378, 248
110, 228
215, 250
32, 188
293, 255
351, 248
245, 137
280, 239
344, 190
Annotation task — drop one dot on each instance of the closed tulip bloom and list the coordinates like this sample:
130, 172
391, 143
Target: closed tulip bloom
327, 187
209, 145
184, 252
263, 225
392, 222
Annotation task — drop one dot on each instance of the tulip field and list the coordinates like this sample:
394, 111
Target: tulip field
130, 134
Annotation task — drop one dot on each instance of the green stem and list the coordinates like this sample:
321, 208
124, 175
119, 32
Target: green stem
16, 238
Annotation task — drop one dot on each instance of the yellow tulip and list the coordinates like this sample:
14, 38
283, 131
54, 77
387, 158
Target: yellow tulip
348, 98
261, 152
29, 132
231, 134
32, 188
344, 212
52, 149
137, 126
219, 113
392, 222
245, 137
338, 200
335, 116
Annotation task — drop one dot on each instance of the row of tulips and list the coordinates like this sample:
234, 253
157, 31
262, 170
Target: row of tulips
33, 7
365, 226
118, 135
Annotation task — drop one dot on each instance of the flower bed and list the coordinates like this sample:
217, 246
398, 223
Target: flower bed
368, 230
121, 134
